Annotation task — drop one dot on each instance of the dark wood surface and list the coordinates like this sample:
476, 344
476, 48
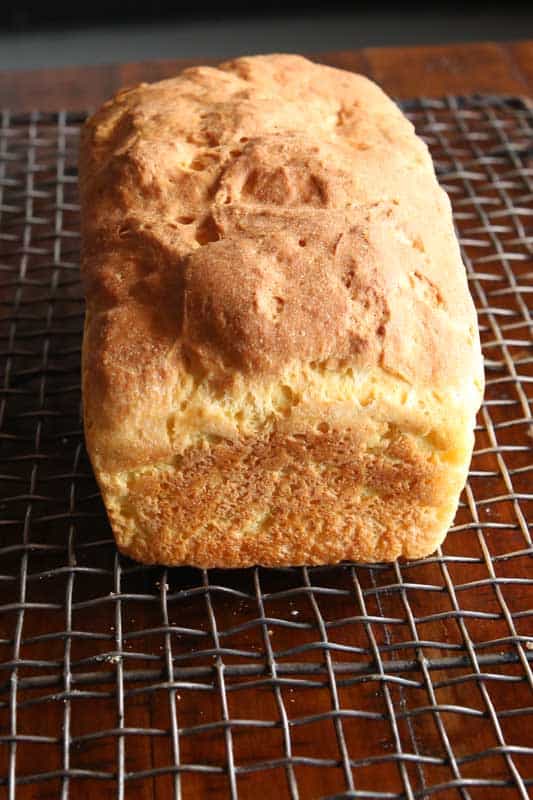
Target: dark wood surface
485, 67
403, 72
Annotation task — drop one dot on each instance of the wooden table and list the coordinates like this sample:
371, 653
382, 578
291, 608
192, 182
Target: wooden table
77, 713
402, 71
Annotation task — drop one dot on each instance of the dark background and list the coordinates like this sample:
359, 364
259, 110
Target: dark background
38, 34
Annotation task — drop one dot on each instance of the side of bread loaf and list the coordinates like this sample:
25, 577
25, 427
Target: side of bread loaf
281, 362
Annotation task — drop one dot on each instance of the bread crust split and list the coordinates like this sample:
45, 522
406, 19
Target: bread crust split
281, 362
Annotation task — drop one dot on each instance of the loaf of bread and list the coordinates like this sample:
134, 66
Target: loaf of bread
281, 362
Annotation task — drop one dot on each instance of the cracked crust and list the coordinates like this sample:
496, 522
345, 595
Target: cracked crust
265, 245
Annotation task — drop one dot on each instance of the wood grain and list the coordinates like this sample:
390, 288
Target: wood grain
402, 71
451, 69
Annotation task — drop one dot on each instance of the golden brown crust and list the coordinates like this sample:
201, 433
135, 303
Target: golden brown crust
289, 499
240, 222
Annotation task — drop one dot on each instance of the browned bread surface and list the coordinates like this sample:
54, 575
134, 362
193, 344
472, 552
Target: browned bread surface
281, 360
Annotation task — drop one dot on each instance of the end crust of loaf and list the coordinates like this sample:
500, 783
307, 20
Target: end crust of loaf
281, 362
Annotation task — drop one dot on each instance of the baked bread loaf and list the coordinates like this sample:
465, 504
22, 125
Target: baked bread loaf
281, 362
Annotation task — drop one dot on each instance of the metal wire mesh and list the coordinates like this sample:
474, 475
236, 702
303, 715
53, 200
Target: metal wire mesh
407, 680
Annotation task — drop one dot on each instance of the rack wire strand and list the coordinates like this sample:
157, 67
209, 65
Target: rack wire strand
400, 681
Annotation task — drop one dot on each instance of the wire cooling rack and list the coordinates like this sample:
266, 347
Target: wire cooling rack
406, 680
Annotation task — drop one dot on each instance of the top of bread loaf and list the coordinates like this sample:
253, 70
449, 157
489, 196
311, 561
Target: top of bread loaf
273, 210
